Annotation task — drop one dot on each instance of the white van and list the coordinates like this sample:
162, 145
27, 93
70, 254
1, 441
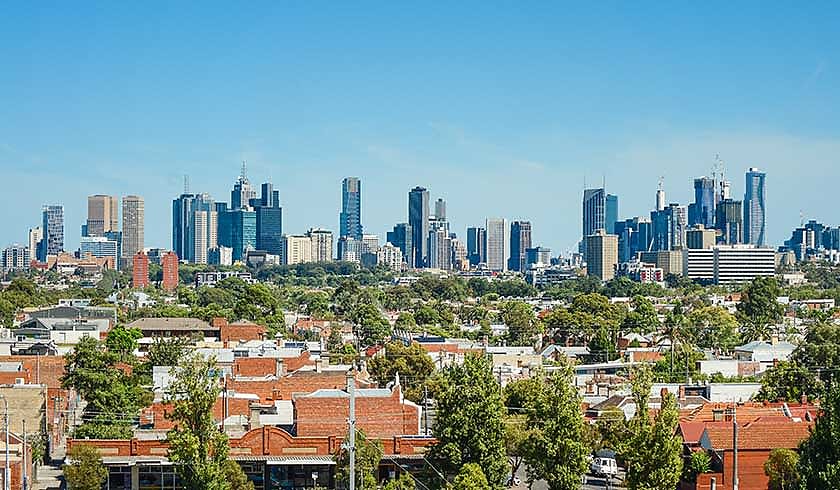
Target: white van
604, 467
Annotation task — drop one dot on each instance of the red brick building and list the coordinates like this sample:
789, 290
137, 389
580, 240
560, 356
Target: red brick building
169, 264
140, 272
240, 331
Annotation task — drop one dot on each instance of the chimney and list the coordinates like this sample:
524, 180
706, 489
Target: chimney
319, 365
682, 392
774, 339
254, 419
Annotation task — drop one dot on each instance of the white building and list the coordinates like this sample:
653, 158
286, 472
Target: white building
297, 249
700, 264
390, 256
35, 236
743, 263
322, 244
440, 250
498, 244
14, 258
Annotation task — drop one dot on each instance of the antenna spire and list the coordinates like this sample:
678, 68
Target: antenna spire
243, 173
186, 184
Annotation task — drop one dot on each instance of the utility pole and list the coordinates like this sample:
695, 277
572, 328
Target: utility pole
351, 450
426, 408
6, 471
23, 456
735, 447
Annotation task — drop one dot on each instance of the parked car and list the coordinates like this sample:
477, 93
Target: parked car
604, 467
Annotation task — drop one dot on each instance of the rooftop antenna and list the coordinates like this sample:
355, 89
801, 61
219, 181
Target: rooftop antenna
244, 170
801, 218
186, 184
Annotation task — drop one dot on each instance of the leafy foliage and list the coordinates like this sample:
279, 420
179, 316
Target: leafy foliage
368, 455
522, 322
86, 472
411, 362
470, 426
788, 381
471, 477
819, 455
759, 309
699, 462
781, 468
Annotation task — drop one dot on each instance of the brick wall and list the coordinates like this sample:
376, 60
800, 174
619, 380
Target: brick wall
42, 369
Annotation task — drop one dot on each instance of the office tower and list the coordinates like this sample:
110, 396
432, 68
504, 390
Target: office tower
540, 256
297, 249
743, 263
240, 231
476, 243
831, 238
350, 219
754, 208
594, 202
679, 225
99, 247
242, 193
669, 227
702, 210
102, 215
440, 250
725, 190
117, 238
140, 270
660, 198
401, 237
370, 243
418, 218
220, 255
269, 221
133, 229
35, 236
14, 258
322, 244
349, 249
497, 244
52, 227
390, 256
459, 254
182, 209
200, 225
520, 240
610, 213
169, 264
634, 235
728, 221
699, 237
802, 242
601, 255
440, 209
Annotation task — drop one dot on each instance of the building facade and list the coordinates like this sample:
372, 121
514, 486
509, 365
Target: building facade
520, 241
476, 245
169, 264
601, 255
269, 221
497, 244
100, 247
14, 258
610, 213
52, 227
401, 237
418, 218
297, 249
140, 270
729, 221
702, 210
594, 211
755, 208
350, 218
322, 244
102, 215
133, 227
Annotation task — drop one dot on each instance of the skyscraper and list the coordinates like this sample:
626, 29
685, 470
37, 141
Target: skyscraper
497, 246
702, 210
322, 244
594, 204
520, 240
401, 237
476, 243
440, 209
350, 219
440, 250
102, 215
660, 197
52, 227
418, 218
754, 208
269, 216
601, 255
169, 264
140, 270
669, 227
240, 231
610, 212
242, 193
133, 229
35, 236
182, 209
729, 221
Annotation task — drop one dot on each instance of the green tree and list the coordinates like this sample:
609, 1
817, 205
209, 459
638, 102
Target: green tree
411, 362
517, 437
197, 445
471, 477
782, 469
820, 349
236, 478
759, 308
652, 451
522, 322
519, 395
371, 326
819, 455
699, 462
556, 448
404, 482
368, 455
86, 472
787, 381
712, 327
612, 428
123, 341
470, 425
642, 318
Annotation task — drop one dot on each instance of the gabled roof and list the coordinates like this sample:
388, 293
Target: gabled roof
760, 345
756, 435
183, 324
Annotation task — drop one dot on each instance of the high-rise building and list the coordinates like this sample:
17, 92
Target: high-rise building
418, 218
182, 209
401, 237
634, 235
660, 198
322, 244
440, 250
133, 229
140, 270
169, 264
52, 227
100, 247
594, 204
699, 237
728, 221
35, 237
201, 227
476, 243
743, 263
497, 244
390, 256
610, 213
349, 249
240, 231
601, 255
242, 193
669, 227
540, 256
350, 219
102, 215
755, 208
440, 209
459, 254
269, 221
520, 240
297, 249
14, 258
702, 210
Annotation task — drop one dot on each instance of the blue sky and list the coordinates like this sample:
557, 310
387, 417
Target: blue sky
501, 108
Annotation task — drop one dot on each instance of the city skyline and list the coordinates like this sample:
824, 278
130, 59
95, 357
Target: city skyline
515, 132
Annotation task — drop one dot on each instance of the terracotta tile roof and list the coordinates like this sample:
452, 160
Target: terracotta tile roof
691, 431
758, 435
